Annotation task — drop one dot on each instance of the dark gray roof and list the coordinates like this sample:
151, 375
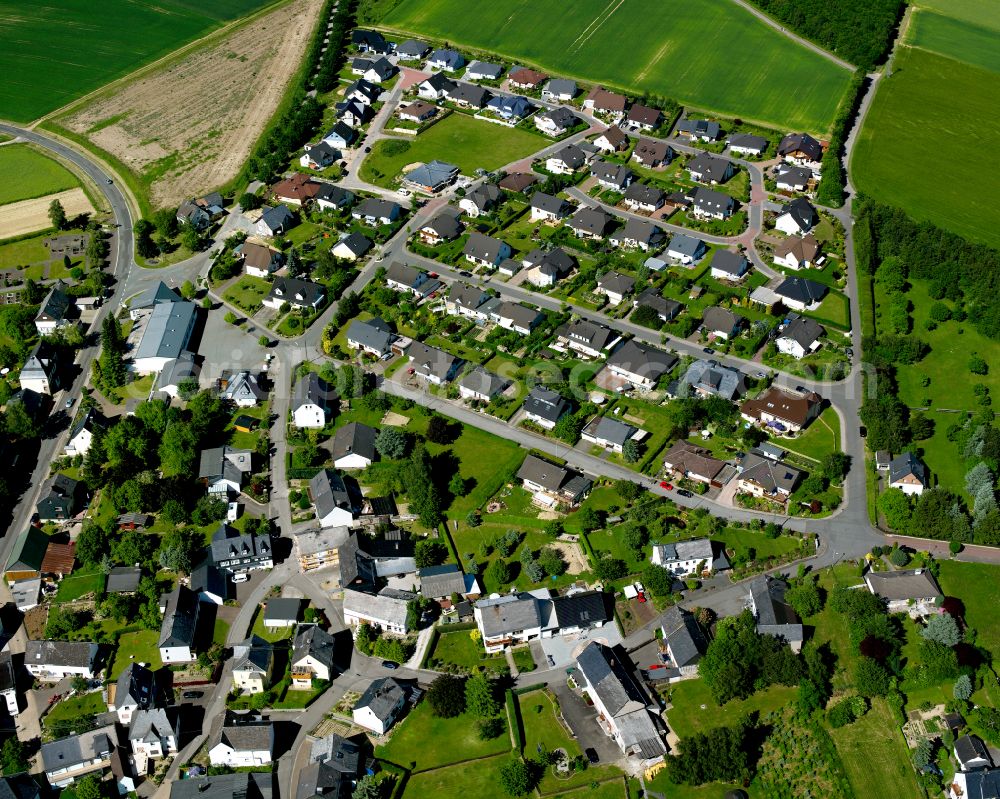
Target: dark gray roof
241, 785
301, 292
968, 748
488, 70
313, 641
594, 336
710, 167
282, 609
802, 330
483, 381
278, 216
699, 127
906, 463
78, 654
665, 308
616, 282
372, 333
794, 175
376, 207
582, 609
483, 247
357, 243
732, 263
683, 636
611, 430
439, 581
208, 579
802, 211
638, 230
643, 195
154, 295
136, 685
721, 320
801, 142
484, 196
404, 273
56, 303
642, 360
412, 47
560, 86
68, 752
748, 140
571, 155
545, 403
594, 221
470, 93
690, 246
440, 82
467, 296
150, 724
243, 732
555, 262
329, 492
548, 203
381, 697
342, 754
446, 225
801, 290
18, 786
500, 615
311, 389
903, 584
711, 200
180, 619
432, 362
561, 117
983, 784
770, 475
355, 439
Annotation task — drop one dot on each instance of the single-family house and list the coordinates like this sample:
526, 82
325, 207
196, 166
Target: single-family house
274, 221
386, 610
135, 690
693, 462
544, 407
790, 177
721, 322
483, 70
152, 735
591, 223
311, 401
800, 294
652, 153
480, 384
373, 336
234, 552
376, 70
241, 740
699, 129
559, 90
431, 177
481, 200
60, 498
712, 379
436, 87
711, 204
545, 207
406, 278
51, 661
549, 266
610, 104
615, 286
510, 619
318, 156
666, 309
774, 616
243, 390
556, 121
352, 247
694, 558
527, 79
746, 144
551, 485
799, 337
259, 260
417, 111
55, 310
209, 583
798, 217
642, 117
683, 640
67, 759
708, 168
640, 364
364, 92
643, 197
610, 175
412, 50
908, 473
431, 364
802, 149
797, 252
912, 591
312, 656
354, 446
638, 234
782, 410
40, 372
341, 135
354, 113
485, 250
380, 705
971, 753
333, 503
376, 211
612, 140
180, 609
469, 95
609, 433
761, 476
81, 434
729, 265
587, 338
686, 249
448, 60
518, 182
519, 318
509, 107
252, 785
297, 190
567, 161
369, 41
222, 469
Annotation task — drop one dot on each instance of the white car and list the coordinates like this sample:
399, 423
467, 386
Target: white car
405, 192
242, 577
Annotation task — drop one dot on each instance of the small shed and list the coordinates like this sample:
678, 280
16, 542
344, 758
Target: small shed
281, 613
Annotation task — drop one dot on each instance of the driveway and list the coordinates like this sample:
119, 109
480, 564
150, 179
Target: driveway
564, 649
583, 721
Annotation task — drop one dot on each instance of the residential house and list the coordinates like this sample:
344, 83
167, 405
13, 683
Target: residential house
362, 91
789, 177
545, 207
642, 117
152, 735
335, 764
59, 560
567, 161
580, 611
180, 609
165, 337
610, 175
312, 656
800, 294
666, 309
971, 754
693, 462
482, 70
40, 372
481, 200
552, 485
372, 336
694, 558
729, 265
510, 108
259, 260
781, 410
431, 364
638, 234
773, 614
354, 113
81, 434
803, 150
615, 286
480, 384
334, 506
639, 364
412, 50
378, 70
380, 705
609, 433
234, 552
281, 612
51, 661
319, 548
246, 785
209, 583
544, 407
135, 690
402, 277
485, 250
274, 221
417, 111
469, 95
707, 168
368, 41
350, 248
340, 136
746, 144
913, 591
518, 182
243, 390
510, 619
376, 211
799, 337
297, 190
587, 338
549, 266
54, 312
19, 786
699, 129
386, 610
686, 249
436, 87
448, 60
761, 476
908, 473
798, 217
519, 318
643, 197
710, 378
223, 468
318, 156
123, 580
559, 90
610, 104
683, 640
653, 153
710, 204
612, 140
253, 665
556, 121
624, 711
25, 560
527, 79
440, 582
797, 252
241, 740
67, 759
60, 498
431, 177
311, 402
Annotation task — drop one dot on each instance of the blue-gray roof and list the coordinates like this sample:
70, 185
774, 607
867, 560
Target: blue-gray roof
167, 332
690, 246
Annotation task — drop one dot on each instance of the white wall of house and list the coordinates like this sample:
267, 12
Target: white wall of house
176, 654
223, 755
309, 415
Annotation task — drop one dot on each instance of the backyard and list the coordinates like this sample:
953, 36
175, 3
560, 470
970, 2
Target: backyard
140, 647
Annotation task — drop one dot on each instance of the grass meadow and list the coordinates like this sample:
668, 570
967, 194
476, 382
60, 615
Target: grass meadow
874, 755
25, 173
53, 52
955, 38
714, 55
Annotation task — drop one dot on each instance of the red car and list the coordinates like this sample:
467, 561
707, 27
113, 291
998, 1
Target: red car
641, 596
666, 486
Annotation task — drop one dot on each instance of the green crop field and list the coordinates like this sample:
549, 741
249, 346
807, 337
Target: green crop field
923, 140
712, 54
26, 173
955, 38
54, 52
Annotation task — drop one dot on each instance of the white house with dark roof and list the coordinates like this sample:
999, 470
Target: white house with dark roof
703, 129
548, 267
789, 177
686, 249
253, 665
54, 312
152, 735
67, 759
514, 316
797, 217
40, 371
567, 160
431, 364
310, 402
334, 507
729, 265
746, 144
482, 385
354, 446
51, 661
403, 277
609, 433
449, 60
587, 338
708, 168
615, 286
800, 337
223, 468
801, 294
761, 476
436, 87
312, 658
234, 552
638, 234
710, 378
551, 485
611, 175
180, 609
241, 740
466, 300
544, 407
640, 364
352, 246
556, 121
721, 322
373, 336
774, 616
485, 250
380, 705
802, 149
510, 619
387, 610
303, 294
243, 390
913, 591
693, 558
711, 204
641, 197
135, 690
444, 227
546, 208
591, 223
683, 640
908, 473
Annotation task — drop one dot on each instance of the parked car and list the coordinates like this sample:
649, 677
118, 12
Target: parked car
591, 754
684, 492
193, 694
708, 351
666, 486
242, 577
388, 664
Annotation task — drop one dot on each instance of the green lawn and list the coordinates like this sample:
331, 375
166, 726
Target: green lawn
54, 52
479, 780
874, 755
270, 634
25, 252
966, 41
220, 632
88, 704
978, 586
142, 645
247, 293
698, 50
459, 649
942, 126
687, 716
422, 741
819, 438
88, 580
469, 143
26, 173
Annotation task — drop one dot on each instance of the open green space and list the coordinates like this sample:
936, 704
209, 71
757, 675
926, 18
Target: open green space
141, 646
955, 38
88, 580
25, 173
875, 756
945, 111
424, 741
27, 252
978, 586
479, 779
819, 438
714, 55
89, 704
687, 716
458, 649
461, 140
247, 293
53, 52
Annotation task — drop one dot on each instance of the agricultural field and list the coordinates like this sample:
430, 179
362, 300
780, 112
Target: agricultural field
953, 46
53, 52
25, 174
29, 216
187, 126
779, 81
469, 143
